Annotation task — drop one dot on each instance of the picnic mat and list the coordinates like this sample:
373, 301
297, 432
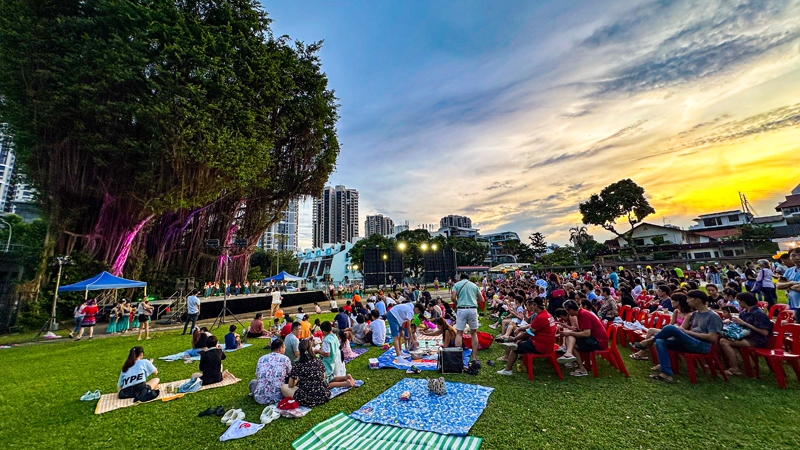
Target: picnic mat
452, 413
389, 359
110, 402
343, 433
179, 356
342, 390
358, 352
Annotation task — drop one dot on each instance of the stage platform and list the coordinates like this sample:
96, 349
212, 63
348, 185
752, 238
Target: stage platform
210, 307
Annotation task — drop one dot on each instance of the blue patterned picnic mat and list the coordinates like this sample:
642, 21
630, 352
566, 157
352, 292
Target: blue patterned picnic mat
389, 359
452, 413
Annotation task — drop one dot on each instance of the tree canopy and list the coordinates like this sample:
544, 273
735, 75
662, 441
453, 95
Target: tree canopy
621, 200
187, 120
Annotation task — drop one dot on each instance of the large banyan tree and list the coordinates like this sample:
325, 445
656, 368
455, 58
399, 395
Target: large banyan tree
150, 126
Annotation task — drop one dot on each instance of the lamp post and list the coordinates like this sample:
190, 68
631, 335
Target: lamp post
60, 262
385, 257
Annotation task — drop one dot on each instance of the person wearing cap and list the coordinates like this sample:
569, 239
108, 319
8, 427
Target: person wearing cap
542, 332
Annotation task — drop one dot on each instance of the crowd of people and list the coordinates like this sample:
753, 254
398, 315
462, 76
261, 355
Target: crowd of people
563, 312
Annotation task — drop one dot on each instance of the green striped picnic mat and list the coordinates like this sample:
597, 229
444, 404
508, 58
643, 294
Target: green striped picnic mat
340, 432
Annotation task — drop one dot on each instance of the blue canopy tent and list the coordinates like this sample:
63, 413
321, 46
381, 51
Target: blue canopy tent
283, 276
101, 282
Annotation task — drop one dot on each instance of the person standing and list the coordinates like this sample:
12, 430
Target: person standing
192, 311
124, 317
145, 310
467, 294
78, 318
767, 285
276, 301
89, 319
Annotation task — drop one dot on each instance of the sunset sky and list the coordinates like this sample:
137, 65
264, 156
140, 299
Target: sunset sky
514, 112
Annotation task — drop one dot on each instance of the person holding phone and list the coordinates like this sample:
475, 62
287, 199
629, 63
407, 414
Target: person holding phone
133, 381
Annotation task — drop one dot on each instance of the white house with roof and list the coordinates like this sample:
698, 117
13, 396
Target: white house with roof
644, 233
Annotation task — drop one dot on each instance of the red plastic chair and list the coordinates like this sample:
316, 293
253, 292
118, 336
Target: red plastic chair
611, 354
711, 359
623, 311
642, 317
527, 359
777, 308
763, 305
632, 314
776, 355
659, 322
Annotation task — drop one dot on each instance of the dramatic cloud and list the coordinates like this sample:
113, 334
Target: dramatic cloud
528, 109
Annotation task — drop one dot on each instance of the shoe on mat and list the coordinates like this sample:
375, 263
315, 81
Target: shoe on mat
510, 345
505, 372
566, 359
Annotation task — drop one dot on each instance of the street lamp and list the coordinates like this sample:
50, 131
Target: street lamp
424, 246
384, 269
433, 247
60, 262
401, 246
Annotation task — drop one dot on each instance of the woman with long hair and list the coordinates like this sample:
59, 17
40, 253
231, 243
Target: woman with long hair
133, 382
447, 331
144, 311
78, 318
307, 382
681, 312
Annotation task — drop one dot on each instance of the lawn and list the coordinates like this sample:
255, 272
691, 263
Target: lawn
41, 386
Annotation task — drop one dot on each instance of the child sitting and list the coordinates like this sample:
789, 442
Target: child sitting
727, 314
232, 339
347, 352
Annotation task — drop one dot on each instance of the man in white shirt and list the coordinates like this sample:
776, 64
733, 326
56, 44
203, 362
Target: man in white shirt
276, 301
399, 318
377, 330
192, 311
334, 305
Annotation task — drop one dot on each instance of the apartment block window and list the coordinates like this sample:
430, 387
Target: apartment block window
733, 218
639, 241
727, 253
702, 255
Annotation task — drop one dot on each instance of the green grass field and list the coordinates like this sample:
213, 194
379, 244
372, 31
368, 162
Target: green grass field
40, 409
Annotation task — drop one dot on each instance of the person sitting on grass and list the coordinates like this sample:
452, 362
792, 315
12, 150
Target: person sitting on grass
210, 362
256, 329
300, 314
271, 372
317, 309
377, 330
542, 332
133, 382
590, 336
751, 318
305, 328
275, 327
358, 333
331, 353
445, 330
232, 339
287, 328
682, 311
344, 342
342, 320
307, 383
695, 335
315, 328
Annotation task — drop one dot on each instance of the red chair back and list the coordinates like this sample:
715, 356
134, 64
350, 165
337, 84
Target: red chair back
623, 311
793, 331
643, 316
632, 314
785, 315
762, 305
641, 303
652, 320
612, 335
662, 321
777, 308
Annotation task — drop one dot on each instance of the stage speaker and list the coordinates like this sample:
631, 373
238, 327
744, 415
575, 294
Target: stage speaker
190, 284
180, 284
441, 265
377, 270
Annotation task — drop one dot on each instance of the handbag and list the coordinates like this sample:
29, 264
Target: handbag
735, 332
451, 360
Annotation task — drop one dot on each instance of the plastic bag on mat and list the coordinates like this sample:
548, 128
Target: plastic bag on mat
240, 429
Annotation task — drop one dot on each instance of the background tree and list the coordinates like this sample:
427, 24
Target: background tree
538, 243
469, 252
179, 120
623, 199
356, 253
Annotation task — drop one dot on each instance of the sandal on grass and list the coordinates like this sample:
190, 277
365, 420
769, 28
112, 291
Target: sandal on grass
731, 373
660, 377
578, 373
638, 357
639, 346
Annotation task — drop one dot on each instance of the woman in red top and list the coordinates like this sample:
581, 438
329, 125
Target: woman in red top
89, 319
542, 332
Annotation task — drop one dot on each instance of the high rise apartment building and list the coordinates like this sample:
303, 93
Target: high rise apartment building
455, 221
378, 224
7, 161
283, 235
335, 216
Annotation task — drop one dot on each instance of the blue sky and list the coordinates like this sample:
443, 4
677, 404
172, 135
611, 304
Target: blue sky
514, 112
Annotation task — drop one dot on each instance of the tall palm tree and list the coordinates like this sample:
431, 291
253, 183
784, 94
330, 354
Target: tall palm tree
578, 235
